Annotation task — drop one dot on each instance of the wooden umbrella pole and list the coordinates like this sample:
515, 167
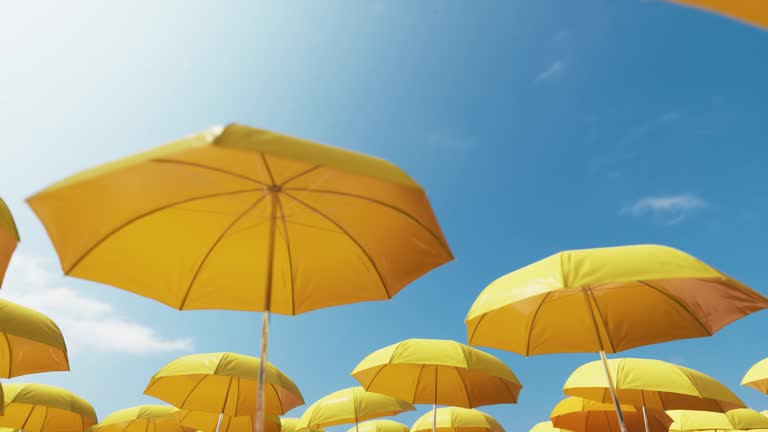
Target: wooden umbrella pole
645, 419
613, 392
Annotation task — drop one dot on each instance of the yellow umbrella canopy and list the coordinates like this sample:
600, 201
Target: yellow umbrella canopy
9, 238
350, 405
207, 422
441, 372
737, 419
289, 424
30, 343
582, 415
222, 383
752, 12
38, 407
654, 384
456, 419
546, 426
380, 426
142, 418
757, 377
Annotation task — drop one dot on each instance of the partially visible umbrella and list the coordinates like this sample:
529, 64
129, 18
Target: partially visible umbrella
738, 419
380, 426
142, 418
212, 422
546, 426
39, 408
9, 238
456, 419
222, 383
350, 406
757, 376
582, 415
753, 12
289, 424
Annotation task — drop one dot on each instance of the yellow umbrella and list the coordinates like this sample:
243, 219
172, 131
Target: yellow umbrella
599, 300
245, 219
754, 12
38, 407
222, 383
455, 419
436, 372
29, 342
652, 384
210, 422
142, 418
546, 426
9, 238
582, 415
738, 419
757, 377
380, 426
351, 405
289, 424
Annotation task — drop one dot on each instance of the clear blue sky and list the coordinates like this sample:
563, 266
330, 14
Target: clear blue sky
535, 126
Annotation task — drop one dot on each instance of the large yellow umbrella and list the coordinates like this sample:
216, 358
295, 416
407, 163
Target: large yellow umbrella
456, 419
38, 407
30, 342
9, 238
651, 384
142, 418
245, 219
757, 376
738, 419
582, 415
546, 426
599, 300
444, 372
380, 426
212, 422
222, 383
348, 406
754, 12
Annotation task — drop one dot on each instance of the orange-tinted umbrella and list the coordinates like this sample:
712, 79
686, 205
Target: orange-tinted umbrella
9, 238
753, 12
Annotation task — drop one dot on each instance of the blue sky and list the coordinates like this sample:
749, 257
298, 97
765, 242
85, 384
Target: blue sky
535, 126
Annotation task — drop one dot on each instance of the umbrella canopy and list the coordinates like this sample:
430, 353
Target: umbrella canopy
348, 406
752, 12
582, 415
651, 383
546, 426
455, 419
757, 377
594, 300
441, 372
30, 342
142, 418
38, 407
289, 424
222, 382
206, 422
380, 426
738, 419
9, 238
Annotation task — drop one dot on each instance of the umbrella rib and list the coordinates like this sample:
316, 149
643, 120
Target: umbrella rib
290, 255
464, 384
279, 401
602, 321
297, 176
226, 398
269, 170
149, 213
679, 303
533, 323
210, 168
354, 240
511, 391
416, 386
10, 354
189, 393
381, 203
214, 245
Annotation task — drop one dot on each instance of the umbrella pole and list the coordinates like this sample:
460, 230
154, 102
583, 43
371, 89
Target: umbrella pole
434, 405
262, 385
645, 419
357, 427
613, 392
218, 424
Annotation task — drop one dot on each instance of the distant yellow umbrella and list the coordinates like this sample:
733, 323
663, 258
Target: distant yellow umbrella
652, 384
546, 426
289, 424
380, 426
212, 422
350, 406
456, 419
245, 219
9, 238
582, 415
754, 12
142, 418
599, 300
38, 408
757, 377
222, 383
738, 419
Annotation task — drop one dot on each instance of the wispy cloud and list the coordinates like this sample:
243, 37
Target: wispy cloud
553, 70
671, 209
87, 323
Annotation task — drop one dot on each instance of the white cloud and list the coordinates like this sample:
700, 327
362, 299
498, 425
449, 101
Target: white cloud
87, 323
671, 208
554, 69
